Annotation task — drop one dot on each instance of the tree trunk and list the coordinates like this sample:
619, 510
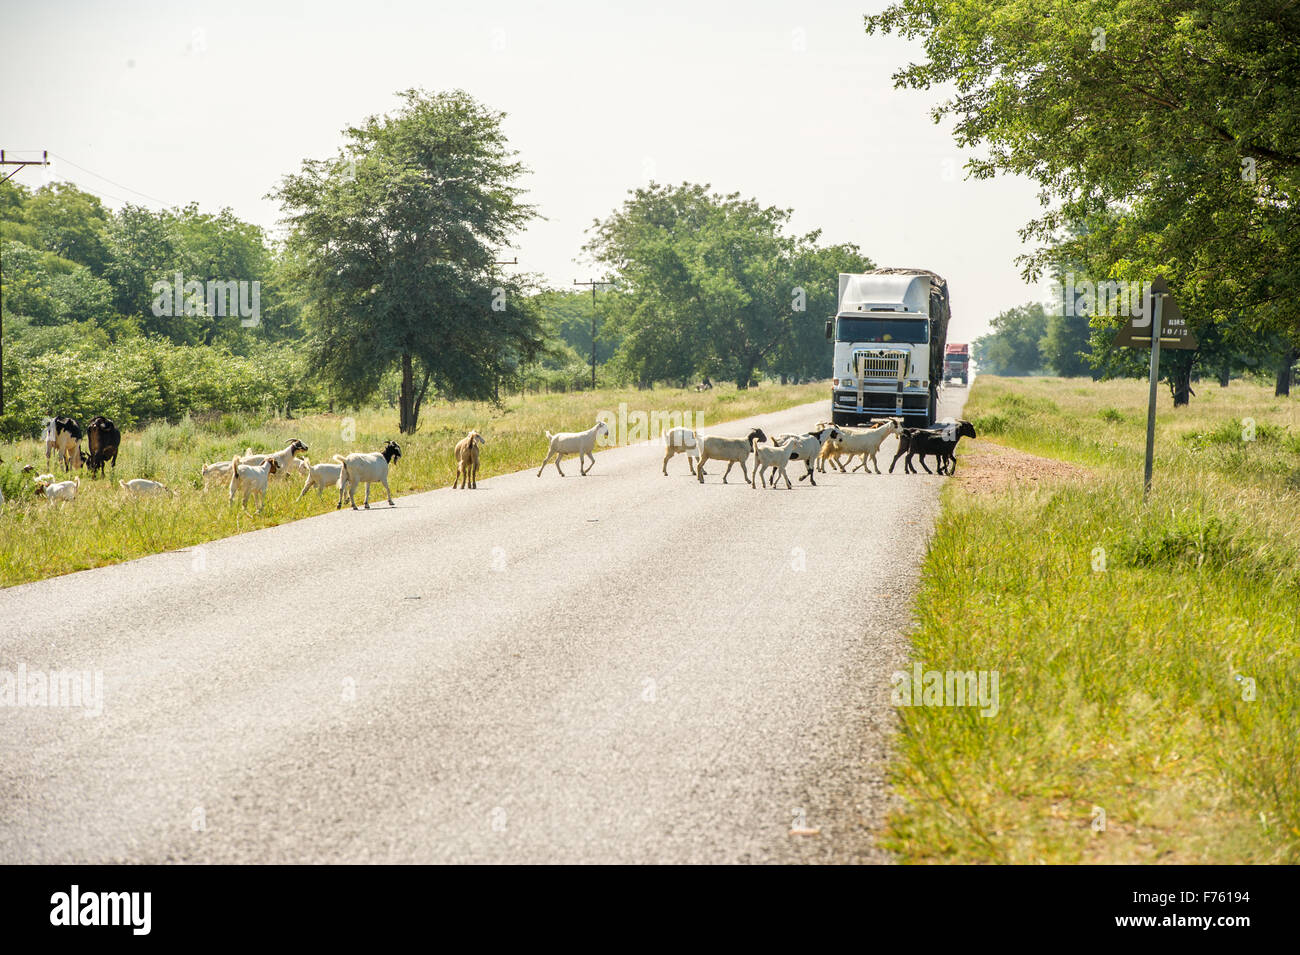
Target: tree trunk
406, 418
1283, 388
1225, 373
1180, 383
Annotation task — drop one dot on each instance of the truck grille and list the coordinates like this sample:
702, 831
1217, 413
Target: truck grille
891, 365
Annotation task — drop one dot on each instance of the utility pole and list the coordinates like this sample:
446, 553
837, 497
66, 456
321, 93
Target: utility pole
593, 283
20, 163
496, 383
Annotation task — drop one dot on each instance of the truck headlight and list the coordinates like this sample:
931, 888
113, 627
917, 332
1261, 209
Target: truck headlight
848, 383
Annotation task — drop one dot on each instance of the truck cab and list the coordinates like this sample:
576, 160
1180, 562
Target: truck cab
956, 364
888, 331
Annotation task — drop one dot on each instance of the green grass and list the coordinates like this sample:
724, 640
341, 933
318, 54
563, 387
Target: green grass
103, 526
1126, 636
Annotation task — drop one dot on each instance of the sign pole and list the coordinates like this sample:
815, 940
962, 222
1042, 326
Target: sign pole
1157, 301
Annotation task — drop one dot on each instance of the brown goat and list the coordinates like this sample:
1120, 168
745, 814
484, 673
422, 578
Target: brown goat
467, 460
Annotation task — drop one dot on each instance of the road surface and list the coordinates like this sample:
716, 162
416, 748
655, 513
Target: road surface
617, 668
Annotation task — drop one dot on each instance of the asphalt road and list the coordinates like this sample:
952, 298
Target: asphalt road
617, 668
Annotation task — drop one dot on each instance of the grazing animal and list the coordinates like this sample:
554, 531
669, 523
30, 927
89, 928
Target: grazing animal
103, 439
368, 468
141, 487
809, 447
467, 460
777, 457
319, 476
283, 458
57, 491
63, 435
940, 442
581, 443
732, 450
680, 441
220, 470
251, 479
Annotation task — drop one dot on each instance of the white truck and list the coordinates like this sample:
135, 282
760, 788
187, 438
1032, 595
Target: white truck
889, 333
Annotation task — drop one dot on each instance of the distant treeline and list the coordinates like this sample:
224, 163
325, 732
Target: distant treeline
387, 289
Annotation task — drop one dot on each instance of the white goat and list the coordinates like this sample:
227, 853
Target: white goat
580, 443
141, 487
732, 450
220, 470
774, 456
368, 468
809, 446
58, 491
319, 476
283, 458
855, 442
681, 441
251, 479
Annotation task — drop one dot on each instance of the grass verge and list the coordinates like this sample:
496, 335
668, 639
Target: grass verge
1148, 653
103, 526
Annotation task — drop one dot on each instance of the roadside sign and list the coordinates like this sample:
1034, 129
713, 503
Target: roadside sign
1174, 330
1161, 325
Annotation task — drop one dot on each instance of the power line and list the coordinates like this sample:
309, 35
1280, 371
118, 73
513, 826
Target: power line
112, 182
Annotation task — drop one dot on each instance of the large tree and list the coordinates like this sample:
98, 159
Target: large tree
393, 242
1165, 127
707, 283
1014, 345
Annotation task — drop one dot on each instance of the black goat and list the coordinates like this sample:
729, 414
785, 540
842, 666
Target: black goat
923, 441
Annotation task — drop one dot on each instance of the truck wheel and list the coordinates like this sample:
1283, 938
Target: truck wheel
840, 419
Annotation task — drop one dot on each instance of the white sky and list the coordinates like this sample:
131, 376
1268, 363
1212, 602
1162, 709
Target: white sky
790, 103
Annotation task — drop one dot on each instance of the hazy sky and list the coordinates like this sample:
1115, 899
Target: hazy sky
788, 102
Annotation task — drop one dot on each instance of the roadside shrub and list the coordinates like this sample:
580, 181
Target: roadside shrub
991, 424
1184, 539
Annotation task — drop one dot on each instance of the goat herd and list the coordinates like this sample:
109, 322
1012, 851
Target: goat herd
248, 474
826, 442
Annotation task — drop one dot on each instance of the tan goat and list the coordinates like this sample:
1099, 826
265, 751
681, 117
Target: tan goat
467, 460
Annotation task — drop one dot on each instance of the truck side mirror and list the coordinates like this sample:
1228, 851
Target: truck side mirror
830, 329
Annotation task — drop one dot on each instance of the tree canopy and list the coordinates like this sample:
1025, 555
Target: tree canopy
1166, 128
393, 243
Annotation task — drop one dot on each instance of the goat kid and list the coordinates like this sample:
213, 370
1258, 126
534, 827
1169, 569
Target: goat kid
250, 479
319, 476
777, 457
809, 446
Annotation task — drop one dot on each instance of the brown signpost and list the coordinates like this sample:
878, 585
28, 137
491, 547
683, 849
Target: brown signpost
1160, 325
1174, 330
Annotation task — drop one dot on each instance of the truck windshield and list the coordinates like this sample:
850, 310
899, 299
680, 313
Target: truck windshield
912, 331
